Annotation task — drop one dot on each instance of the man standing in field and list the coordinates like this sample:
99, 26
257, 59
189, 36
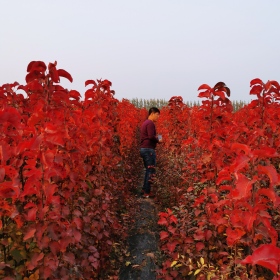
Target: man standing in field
149, 140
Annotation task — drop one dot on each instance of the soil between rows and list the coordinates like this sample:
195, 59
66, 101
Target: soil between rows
143, 252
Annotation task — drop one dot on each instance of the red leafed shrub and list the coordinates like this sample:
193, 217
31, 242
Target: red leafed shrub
68, 169
63, 164
225, 197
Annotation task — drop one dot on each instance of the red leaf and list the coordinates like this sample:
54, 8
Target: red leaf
206, 94
74, 94
270, 193
56, 139
270, 229
199, 235
53, 72
34, 75
171, 246
188, 240
219, 85
34, 86
199, 246
275, 84
256, 90
69, 257
204, 86
266, 152
225, 188
173, 219
55, 247
105, 84
49, 191
36, 65
48, 158
29, 234
208, 234
197, 212
34, 260
50, 128
162, 221
269, 87
237, 147
163, 235
98, 192
256, 81
77, 235
65, 74
271, 172
243, 186
234, 235
7, 190
172, 229
239, 163
10, 115
224, 175
163, 214
64, 243
90, 82
199, 200
266, 255
221, 94
250, 219
2, 174
89, 94
78, 222
31, 214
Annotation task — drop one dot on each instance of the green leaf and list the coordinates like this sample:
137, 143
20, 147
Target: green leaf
89, 184
17, 255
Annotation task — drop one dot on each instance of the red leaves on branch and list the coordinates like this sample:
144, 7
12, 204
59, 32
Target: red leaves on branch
234, 235
220, 90
272, 174
62, 162
163, 235
243, 187
266, 92
10, 116
64, 74
39, 66
229, 173
266, 255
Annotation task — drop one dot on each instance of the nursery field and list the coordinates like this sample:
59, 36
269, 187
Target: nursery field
69, 171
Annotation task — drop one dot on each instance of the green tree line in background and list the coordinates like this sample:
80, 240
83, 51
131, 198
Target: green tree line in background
159, 103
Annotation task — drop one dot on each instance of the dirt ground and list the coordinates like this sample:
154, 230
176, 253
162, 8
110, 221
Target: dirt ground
141, 262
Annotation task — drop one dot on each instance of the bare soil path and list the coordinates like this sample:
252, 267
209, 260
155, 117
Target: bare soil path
143, 253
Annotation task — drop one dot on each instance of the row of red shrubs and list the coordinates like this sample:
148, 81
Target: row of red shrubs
66, 166
64, 172
219, 178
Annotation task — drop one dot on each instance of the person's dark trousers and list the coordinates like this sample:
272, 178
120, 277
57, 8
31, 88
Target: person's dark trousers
149, 159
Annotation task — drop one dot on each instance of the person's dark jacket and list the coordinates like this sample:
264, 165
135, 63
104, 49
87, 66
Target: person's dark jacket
148, 135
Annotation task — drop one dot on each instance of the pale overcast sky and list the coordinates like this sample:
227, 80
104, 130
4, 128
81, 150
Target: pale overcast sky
146, 48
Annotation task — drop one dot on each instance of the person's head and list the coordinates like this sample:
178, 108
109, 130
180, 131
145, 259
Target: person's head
153, 114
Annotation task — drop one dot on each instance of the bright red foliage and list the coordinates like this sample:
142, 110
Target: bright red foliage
64, 175
223, 183
67, 166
